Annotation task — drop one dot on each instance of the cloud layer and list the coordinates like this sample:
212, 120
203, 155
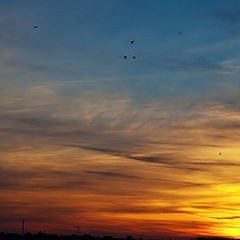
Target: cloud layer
113, 160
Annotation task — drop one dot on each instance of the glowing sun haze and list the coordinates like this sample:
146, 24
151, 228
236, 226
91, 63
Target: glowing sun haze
148, 147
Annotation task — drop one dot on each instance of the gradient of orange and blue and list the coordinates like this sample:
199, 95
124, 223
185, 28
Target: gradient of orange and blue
120, 146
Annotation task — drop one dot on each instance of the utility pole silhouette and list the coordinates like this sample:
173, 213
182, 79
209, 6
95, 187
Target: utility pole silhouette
22, 227
77, 230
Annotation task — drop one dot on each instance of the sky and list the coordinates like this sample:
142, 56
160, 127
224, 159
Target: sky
120, 146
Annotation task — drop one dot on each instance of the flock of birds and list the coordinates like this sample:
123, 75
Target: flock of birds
132, 42
133, 57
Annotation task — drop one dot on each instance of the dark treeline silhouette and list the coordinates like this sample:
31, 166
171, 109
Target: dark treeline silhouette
214, 238
45, 236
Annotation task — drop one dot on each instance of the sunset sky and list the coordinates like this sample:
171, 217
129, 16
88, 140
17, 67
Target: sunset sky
120, 147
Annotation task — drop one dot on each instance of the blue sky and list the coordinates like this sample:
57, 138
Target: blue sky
83, 40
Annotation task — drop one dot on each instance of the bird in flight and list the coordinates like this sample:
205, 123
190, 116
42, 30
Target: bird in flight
134, 57
125, 57
132, 42
35, 26
220, 153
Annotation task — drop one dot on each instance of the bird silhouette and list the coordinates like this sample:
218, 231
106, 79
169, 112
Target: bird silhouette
125, 57
35, 27
134, 57
132, 42
220, 153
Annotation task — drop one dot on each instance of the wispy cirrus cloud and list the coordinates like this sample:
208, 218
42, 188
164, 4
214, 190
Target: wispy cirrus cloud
112, 174
229, 16
77, 145
233, 217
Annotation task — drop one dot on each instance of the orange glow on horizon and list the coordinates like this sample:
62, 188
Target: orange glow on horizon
175, 185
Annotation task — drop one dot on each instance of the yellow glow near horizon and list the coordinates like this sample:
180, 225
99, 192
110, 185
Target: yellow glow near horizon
177, 184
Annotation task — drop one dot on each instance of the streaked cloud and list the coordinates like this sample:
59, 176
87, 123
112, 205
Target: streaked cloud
229, 16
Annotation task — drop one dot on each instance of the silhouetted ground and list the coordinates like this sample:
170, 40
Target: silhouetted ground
44, 236
214, 238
